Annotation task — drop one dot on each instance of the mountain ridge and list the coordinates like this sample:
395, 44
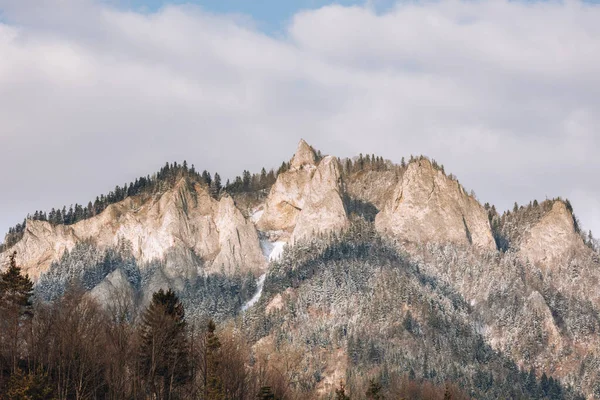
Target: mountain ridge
524, 282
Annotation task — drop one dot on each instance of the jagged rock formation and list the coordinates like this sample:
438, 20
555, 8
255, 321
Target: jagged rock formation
305, 155
324, 209
288, 194
238, 240
427, 206
185, 225
553, 239
307, 198
42, 244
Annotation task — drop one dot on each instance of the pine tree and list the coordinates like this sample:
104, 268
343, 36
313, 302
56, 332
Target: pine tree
263, 178
206, 177
348, 165
23, 386
531, 383
544, 384
163, 352
15, 308
246, 180
213, 387
215, 186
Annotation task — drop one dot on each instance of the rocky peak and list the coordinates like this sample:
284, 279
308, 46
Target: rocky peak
305, 155
324, 209
305, 200
553, 238
286, 200
288, 194
428, 206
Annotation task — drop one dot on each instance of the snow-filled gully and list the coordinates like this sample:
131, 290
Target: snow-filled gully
271, 251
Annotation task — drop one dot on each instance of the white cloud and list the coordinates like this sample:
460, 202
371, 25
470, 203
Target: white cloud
505, 94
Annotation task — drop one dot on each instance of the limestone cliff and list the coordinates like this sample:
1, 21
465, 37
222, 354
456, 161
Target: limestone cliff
183, 223
307, 198
287, 196
553, 239
374, 187
324, 209
237, 240
428, 206
114, 292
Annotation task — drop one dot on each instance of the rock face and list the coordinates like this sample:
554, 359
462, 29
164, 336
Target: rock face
183, 224
553, 239
42, 243
374, 187
324, 209
307, 198
427, 206
238, 240
287, 196
305, 155
114, 292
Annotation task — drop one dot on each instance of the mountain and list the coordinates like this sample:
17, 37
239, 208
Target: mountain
360, 266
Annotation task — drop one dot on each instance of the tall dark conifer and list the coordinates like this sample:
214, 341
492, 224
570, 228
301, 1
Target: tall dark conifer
15, 310
163, 352
213, 387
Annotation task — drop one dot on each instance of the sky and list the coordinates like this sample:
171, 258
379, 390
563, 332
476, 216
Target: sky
504, 94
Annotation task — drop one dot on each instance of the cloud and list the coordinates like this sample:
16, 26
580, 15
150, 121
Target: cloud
505, 94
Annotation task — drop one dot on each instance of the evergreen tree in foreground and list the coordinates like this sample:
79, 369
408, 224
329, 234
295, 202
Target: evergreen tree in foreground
213, 387
15, 310
23, 386
163, 352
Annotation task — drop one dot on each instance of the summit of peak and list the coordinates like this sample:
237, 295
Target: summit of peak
304, 155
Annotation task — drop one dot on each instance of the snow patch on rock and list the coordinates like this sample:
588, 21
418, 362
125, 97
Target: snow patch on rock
256, 214
277, 250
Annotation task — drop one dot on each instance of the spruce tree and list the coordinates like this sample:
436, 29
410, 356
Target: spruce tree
246, 180
213, 386
216, 186
263, 178
15, 309
163, 351
544, 384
